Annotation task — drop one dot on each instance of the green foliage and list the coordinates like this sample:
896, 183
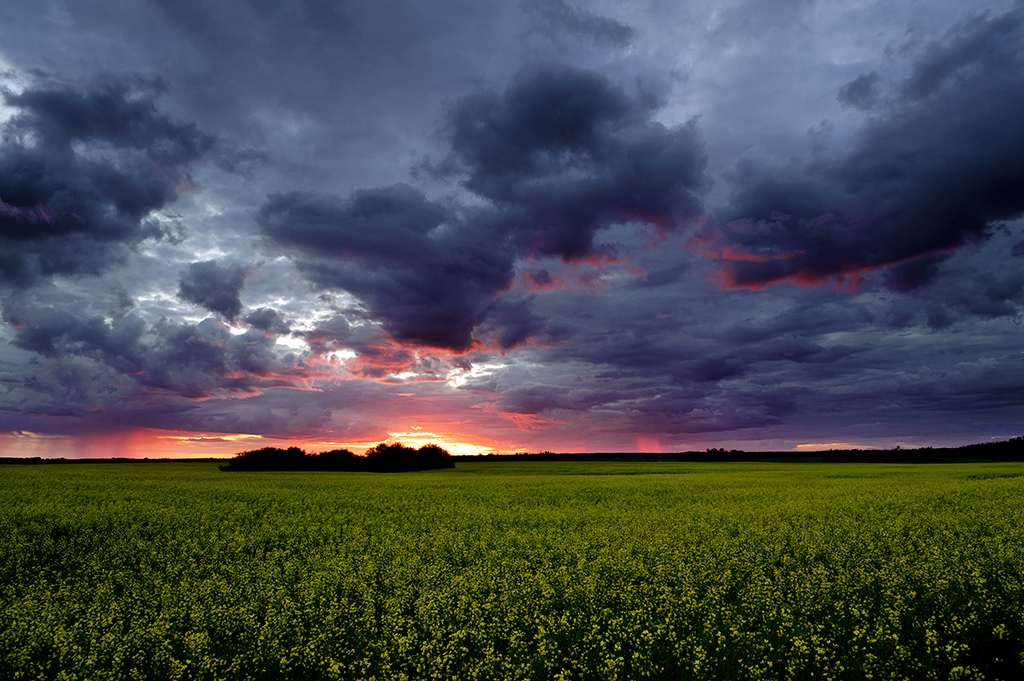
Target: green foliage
498, 570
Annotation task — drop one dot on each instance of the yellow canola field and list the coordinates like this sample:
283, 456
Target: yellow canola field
513, 570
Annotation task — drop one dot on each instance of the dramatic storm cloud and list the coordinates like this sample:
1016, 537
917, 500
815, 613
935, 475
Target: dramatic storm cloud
81, 172
936, 165
213, 287
535, 225
560, 155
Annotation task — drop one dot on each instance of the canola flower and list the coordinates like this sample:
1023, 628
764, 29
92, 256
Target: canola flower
512, 570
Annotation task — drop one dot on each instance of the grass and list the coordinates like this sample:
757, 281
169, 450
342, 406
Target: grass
504, 570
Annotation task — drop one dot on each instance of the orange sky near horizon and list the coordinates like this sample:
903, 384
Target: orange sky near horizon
166, 444
159, 444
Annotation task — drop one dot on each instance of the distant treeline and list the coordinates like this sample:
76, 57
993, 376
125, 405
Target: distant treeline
1007, 450
383, 458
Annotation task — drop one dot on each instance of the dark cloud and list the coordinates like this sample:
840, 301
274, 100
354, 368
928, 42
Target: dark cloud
565, 153
634, 401
213, 287
914, 273
512, 322
861, 92
932, 172
621, 360
393, 223
268, 320
81, 172
560, 155
627, 369
377, 355
427, 284
537, 398
96, 359
581, 23
985, 294
662, 277
206, 358
979, 48
122, 302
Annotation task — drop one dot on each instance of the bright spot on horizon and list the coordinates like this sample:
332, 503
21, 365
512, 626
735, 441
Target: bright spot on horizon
418, 438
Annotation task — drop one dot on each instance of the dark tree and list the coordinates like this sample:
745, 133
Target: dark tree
383, 458
268, 459
398, 457
334, 460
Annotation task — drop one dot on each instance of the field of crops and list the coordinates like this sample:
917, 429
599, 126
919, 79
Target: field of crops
513, 570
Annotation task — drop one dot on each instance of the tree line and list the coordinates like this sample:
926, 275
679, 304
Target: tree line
383, 458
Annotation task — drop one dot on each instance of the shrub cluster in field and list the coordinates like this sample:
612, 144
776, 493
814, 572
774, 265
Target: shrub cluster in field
382, 458
504, 571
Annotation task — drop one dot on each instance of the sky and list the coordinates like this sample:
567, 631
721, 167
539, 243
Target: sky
610, 226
